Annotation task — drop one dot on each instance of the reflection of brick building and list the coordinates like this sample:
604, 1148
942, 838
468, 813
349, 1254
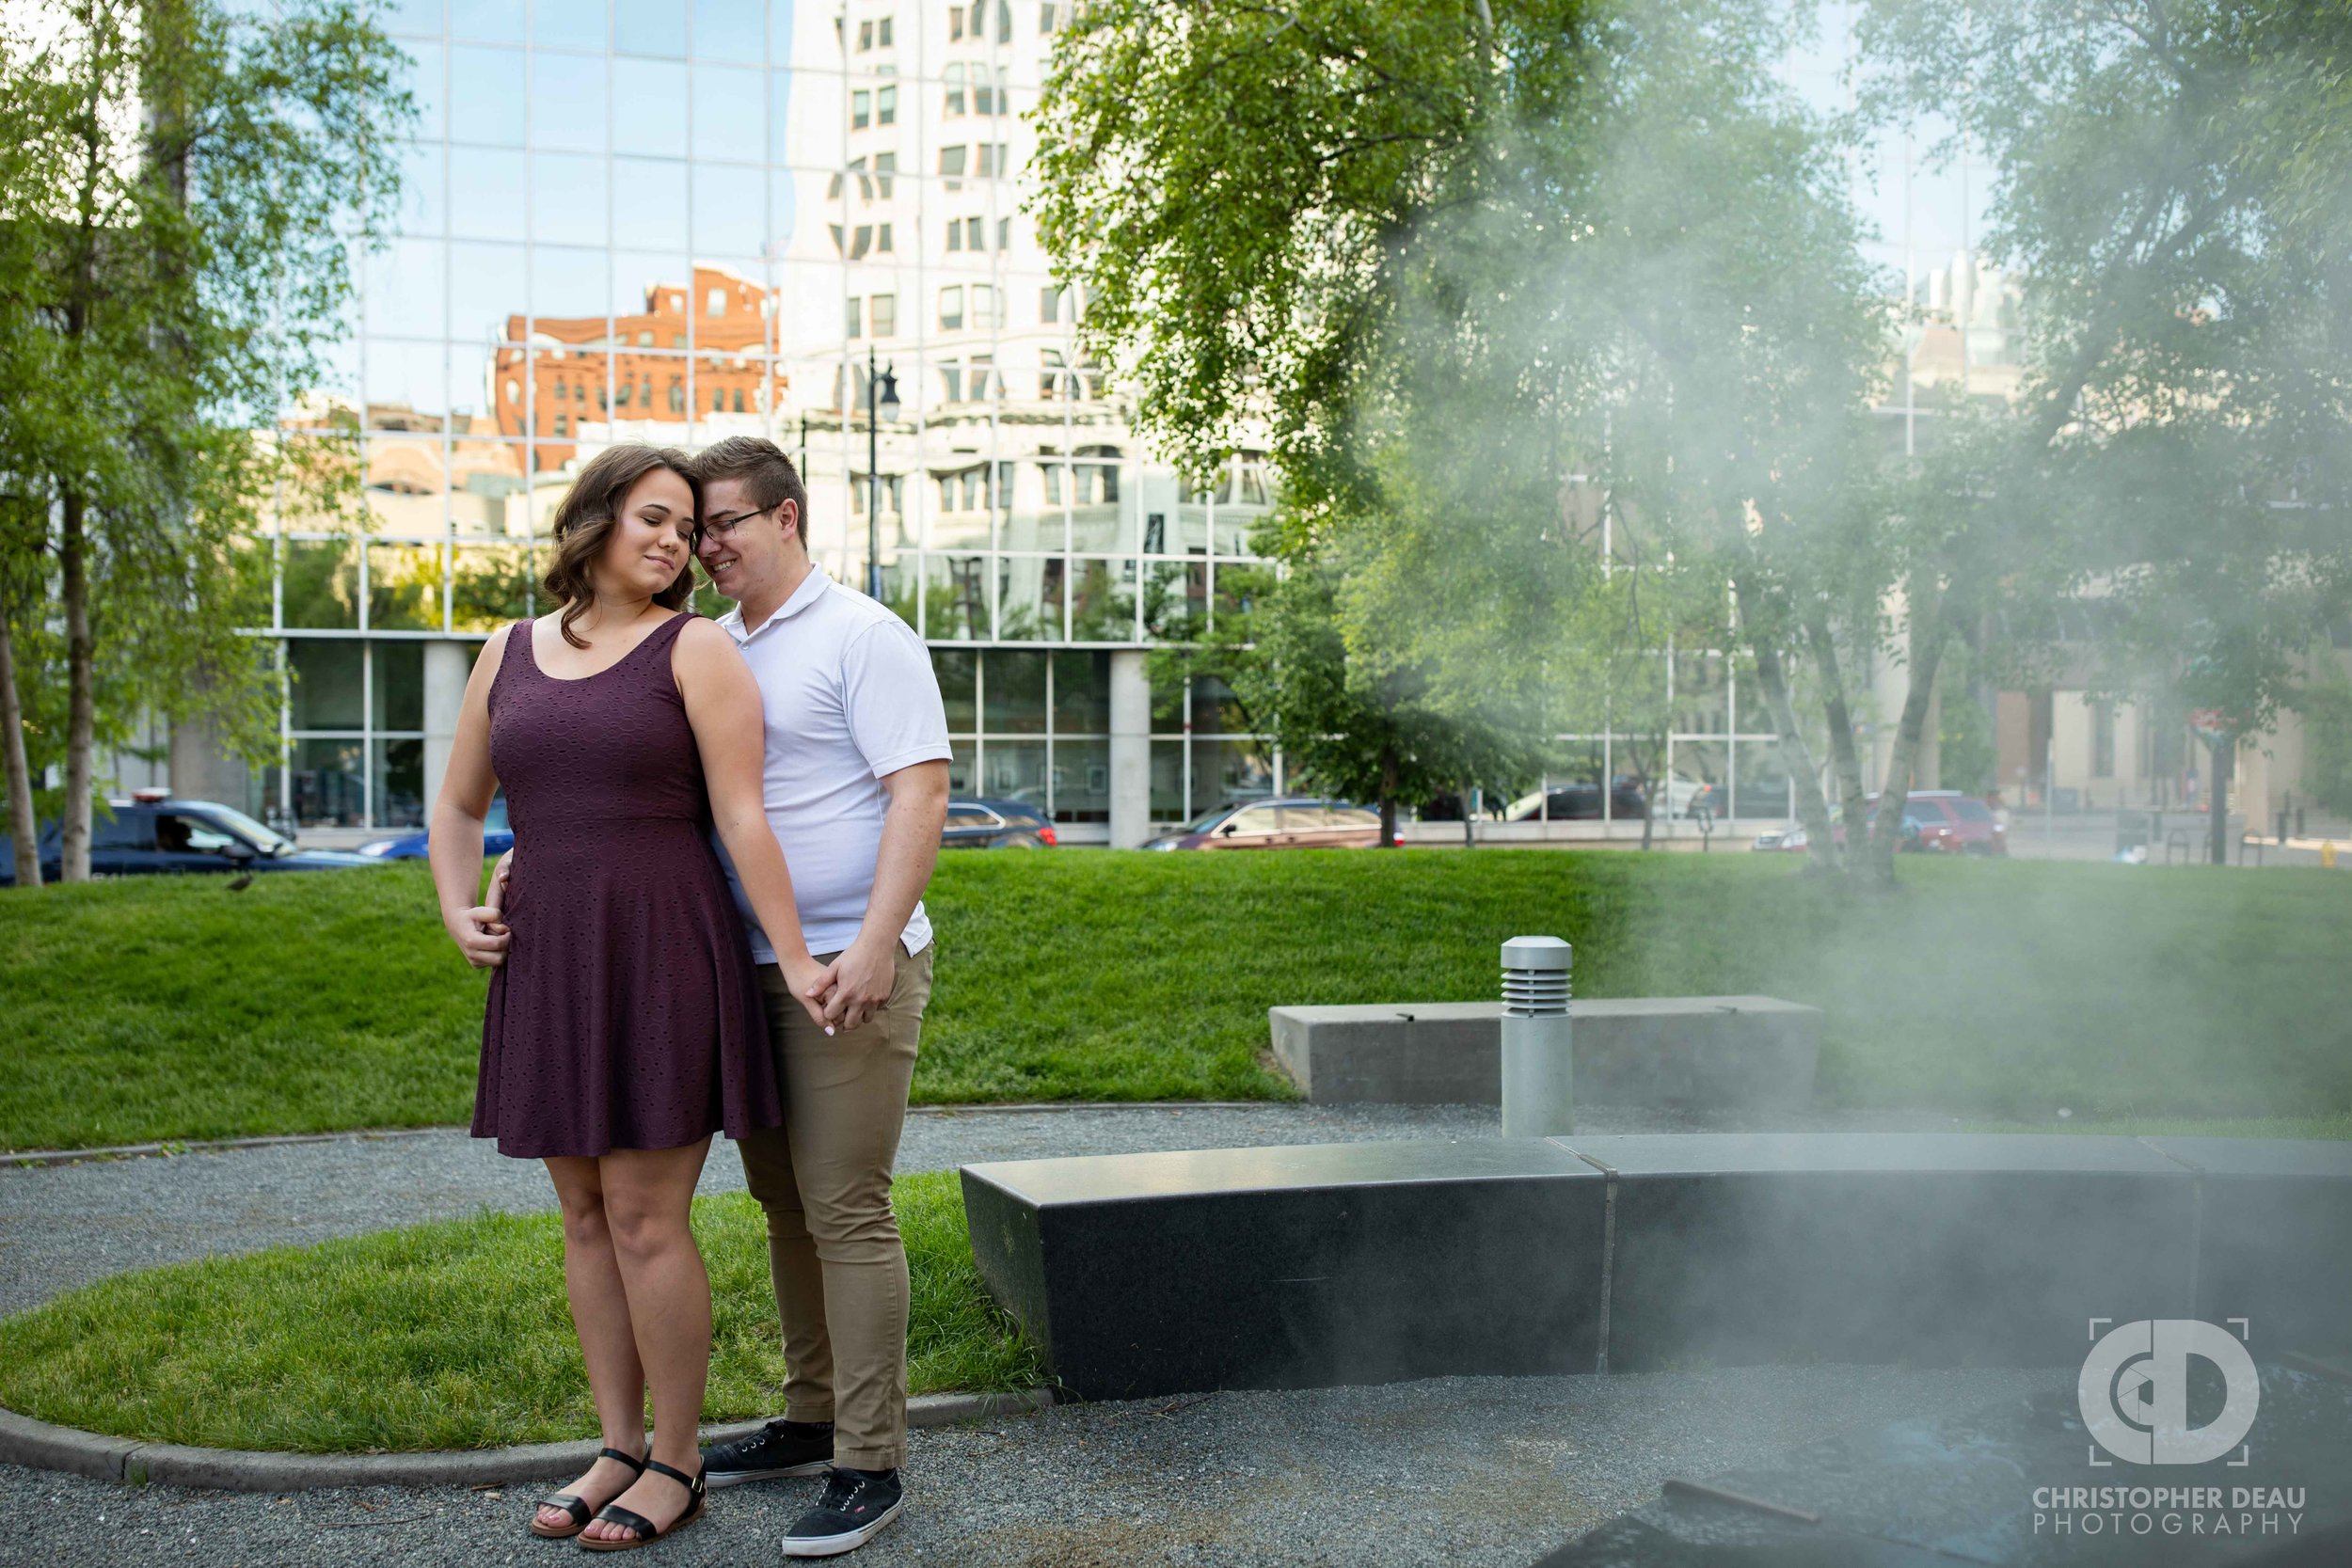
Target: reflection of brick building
699, 349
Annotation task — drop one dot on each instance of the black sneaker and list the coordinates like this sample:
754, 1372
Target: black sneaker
856, 1505
778, 1449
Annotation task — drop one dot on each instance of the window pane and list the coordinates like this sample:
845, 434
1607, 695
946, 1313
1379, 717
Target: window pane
954, 598
1762, 786
1014, 770
327, 791
486, 194
730, 115
649, 108
1215, 708
1167, 783
399, 685
1030, 597
1082, 781
1103, 600
491, 586
649, 28
567, 207
399, 783
325, 691
321, 585
1082, 693
730, 30
1175, 599
955, 673
1224, 772
1014, 693
1702, 702
486, 96
404, 587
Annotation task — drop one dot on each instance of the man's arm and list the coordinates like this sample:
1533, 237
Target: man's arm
861, 977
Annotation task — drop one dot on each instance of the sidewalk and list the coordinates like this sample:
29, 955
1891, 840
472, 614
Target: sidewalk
1475, 1471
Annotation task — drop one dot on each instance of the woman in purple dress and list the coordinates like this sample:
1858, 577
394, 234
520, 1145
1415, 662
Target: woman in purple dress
624, 1025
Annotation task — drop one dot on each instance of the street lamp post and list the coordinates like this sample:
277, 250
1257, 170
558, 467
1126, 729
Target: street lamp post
881, 402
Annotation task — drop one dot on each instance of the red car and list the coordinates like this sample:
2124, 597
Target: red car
1935, 822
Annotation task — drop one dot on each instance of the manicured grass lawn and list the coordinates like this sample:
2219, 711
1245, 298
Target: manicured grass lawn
173, 1008
448, 1336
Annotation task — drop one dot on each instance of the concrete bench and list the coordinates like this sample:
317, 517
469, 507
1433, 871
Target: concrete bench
1142, 1274
1747, 1052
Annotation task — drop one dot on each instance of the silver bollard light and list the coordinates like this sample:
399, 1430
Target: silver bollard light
1538, 1091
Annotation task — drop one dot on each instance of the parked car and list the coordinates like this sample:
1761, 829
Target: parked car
977, 824
1287, 823
497, 838
153, 832
1935, 822
1579, 801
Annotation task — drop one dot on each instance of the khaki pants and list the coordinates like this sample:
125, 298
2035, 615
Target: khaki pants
823, 1179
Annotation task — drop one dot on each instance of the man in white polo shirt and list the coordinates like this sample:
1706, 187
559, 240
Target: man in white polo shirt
857, 793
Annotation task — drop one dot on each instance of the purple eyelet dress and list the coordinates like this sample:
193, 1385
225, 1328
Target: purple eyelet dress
627, 1013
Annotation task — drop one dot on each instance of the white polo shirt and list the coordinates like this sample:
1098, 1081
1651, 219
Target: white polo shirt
849, 695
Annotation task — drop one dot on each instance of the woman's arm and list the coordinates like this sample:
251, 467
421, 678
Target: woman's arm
455, 843
722, 706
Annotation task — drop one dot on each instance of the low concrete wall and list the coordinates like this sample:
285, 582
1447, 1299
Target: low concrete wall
1154, 1273
1753, 1053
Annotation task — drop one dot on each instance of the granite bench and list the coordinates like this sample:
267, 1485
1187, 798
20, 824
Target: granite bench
1747, 1052
1144, 1275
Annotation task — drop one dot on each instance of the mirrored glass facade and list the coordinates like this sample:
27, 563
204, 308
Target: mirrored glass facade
678, 220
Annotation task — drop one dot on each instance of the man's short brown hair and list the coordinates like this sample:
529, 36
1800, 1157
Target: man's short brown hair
763, 468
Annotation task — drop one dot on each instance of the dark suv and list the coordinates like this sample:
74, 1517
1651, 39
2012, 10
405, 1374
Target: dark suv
153, 832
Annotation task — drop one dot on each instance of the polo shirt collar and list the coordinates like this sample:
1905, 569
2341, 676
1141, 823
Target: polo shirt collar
812, 587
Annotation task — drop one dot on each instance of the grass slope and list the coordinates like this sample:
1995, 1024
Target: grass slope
170, 1008
447, 1336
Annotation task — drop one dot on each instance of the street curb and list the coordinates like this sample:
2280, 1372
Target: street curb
42, 1446
172, 1148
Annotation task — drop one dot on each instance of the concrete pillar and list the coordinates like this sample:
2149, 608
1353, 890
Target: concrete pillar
1130, 749
446, 667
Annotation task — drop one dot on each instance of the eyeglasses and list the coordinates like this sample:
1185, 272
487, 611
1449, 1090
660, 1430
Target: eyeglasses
724, 527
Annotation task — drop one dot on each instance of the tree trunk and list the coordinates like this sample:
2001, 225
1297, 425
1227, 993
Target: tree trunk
2223, 750
1388, 797
23, 828
1649, 794
1927, 651
1805, 780
81, 727
1843, 758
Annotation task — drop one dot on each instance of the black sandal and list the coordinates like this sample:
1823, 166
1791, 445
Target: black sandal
645, 1534
573, 1506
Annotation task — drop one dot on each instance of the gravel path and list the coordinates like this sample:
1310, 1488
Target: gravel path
1483, 1472
1471, 1471
64, 1226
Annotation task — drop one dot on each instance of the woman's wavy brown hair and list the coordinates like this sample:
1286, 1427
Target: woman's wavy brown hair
584, 521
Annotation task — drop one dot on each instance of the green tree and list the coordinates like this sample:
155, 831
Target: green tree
183, 187
1487, 272
1355, 729
2174, 188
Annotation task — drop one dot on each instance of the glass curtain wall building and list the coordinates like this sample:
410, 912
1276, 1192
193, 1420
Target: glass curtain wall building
678, 220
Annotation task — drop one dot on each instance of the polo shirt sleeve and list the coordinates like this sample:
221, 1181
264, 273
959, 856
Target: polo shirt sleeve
896, 715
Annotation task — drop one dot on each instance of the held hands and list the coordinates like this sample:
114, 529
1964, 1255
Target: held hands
852, 987
809, 981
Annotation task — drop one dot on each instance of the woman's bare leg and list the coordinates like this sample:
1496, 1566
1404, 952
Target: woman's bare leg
647, 1199
592, 1279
